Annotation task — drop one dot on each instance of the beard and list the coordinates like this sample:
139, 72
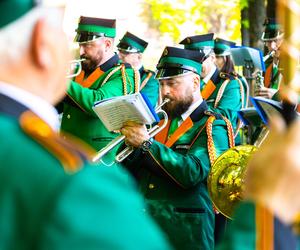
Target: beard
175, 108
89, 65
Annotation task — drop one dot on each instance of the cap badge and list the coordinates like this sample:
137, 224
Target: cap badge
165, 52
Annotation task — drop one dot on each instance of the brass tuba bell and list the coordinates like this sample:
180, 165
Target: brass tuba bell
225, 182
226, 179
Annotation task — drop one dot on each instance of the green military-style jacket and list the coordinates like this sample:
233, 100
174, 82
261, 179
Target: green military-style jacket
80, 120
173, 180
272, 75
44, 207
230, 102
149, 85
246, 230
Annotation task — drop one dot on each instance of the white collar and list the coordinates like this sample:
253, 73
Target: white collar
139, 67
36, 104
207, 78
187, 113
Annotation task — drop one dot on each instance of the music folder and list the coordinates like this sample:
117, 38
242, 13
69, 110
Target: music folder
249, 117
266, 108
243, 55
115, 111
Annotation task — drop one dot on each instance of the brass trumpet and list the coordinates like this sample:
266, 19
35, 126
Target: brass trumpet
75, 65
270, 54
129, 149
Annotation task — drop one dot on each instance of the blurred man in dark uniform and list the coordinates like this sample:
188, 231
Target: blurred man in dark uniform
50, 198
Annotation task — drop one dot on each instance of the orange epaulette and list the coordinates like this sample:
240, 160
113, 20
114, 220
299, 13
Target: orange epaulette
147, 78
71, 156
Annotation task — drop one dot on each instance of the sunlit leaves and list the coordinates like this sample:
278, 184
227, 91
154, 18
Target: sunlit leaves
180, 18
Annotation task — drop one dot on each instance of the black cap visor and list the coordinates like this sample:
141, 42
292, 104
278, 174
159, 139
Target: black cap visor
83, 37
271, 35
123, 47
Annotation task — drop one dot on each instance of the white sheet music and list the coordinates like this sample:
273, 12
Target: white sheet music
114, 112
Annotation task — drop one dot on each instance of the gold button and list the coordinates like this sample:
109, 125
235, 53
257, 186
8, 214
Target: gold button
151, 186
68, 116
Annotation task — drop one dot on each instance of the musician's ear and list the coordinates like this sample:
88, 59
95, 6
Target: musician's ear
40, 53
196, 82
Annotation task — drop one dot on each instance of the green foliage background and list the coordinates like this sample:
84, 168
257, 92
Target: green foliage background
176, 18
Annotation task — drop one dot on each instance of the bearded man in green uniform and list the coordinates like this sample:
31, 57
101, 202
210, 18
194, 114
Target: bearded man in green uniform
103, 76
172, 169
222, 92
131, 49
45, 201
273, 38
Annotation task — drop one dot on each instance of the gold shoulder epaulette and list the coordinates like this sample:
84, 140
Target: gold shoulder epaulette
224, 75
71, 157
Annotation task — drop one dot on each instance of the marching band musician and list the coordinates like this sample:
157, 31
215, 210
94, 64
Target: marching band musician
103, 76
273, 38
221, 92
171, 169
131, 49
225, 65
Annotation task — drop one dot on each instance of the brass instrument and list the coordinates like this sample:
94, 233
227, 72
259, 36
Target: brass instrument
75, 65
128, 150
270, 54
226, 178
259, 79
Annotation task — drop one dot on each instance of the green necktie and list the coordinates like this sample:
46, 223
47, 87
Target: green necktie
202, 84
174, 125
275, 73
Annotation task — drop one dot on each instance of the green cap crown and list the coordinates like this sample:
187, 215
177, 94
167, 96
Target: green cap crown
177, 61
11, 10
132, 44
273, 30
222, 47
90, 28
199, 42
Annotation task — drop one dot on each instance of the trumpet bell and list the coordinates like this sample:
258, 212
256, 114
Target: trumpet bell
75, 68
226, 178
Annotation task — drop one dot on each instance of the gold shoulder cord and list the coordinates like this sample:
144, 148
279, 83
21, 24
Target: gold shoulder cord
124, 79
210, 142
221, 92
